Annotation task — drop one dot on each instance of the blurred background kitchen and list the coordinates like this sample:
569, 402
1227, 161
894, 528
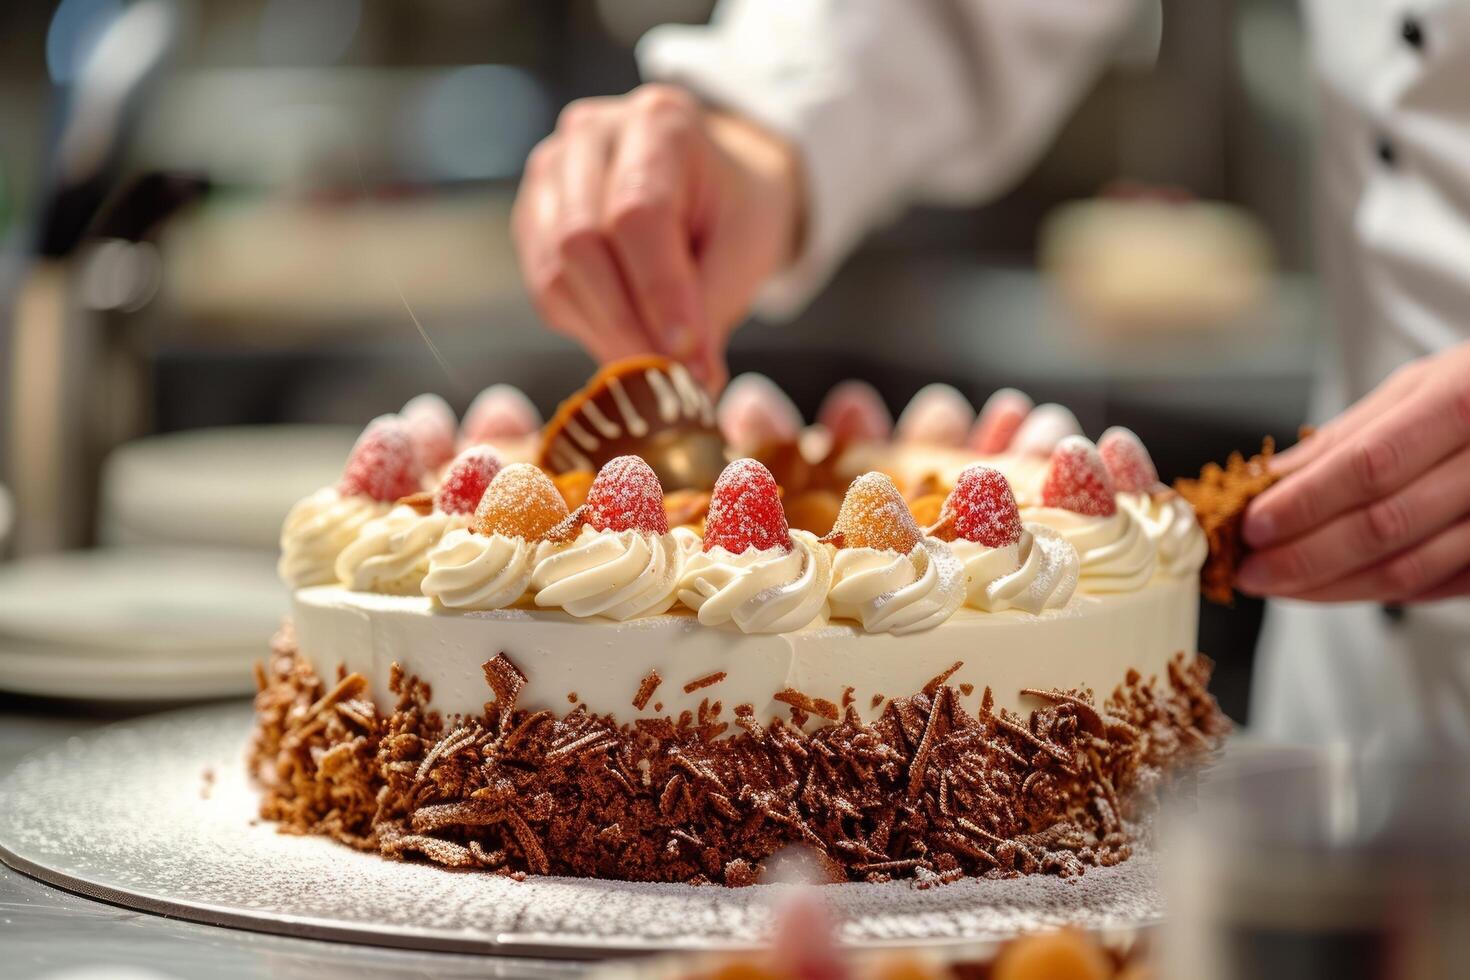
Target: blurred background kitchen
230, 225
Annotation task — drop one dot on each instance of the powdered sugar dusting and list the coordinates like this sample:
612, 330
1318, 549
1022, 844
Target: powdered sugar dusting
1078, 481
983, 508
383, 464
465, 483
873, 515
626, 496
745, 511
1128, 461
121, 809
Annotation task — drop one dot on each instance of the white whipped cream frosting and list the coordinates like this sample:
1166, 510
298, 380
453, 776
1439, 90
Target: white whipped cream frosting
316, 531
1116, 552
481, 571
894, 593
1038, 572
759, 590
1170, 522
617, 574
391, 553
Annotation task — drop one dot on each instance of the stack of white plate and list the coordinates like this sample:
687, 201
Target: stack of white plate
137, 623
183, 598
225, 487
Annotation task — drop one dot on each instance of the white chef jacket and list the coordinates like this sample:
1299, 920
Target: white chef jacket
893, 102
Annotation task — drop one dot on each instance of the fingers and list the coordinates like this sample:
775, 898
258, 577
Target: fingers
1364, 536
647, 219
566, 260
1425, 426
1357, 415
1434, 569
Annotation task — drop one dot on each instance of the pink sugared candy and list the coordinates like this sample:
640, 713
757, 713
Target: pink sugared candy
465, 482
382, 464
982, 508
1128, 462
1078, 480
938, 415
1045, 427
626, 496
999, 420
745, 511
499, 412
754, 412
432, 427
853, 411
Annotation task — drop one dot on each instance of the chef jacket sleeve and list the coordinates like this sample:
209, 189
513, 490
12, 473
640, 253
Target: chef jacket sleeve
892, 102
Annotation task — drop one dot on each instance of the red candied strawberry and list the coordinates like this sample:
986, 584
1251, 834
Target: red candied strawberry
854, 412
937, 415
499, 412
745, 511
432, 427
981, 508
465, 483
1077, 480
1128, 462
999, 419
383, 464
626, 496
755, 413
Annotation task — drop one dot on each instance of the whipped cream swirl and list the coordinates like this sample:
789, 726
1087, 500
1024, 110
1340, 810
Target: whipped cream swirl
481, 571
760, 590
1170, 522
316, 531
1037, 572
391, 553
618, 574
894, 593
1116, 553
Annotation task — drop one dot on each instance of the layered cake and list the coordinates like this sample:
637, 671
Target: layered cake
657, 641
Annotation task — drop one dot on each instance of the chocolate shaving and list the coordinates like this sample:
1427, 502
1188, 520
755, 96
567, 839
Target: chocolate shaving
820, 707
703, 682
646, 689
927, 790
505, 679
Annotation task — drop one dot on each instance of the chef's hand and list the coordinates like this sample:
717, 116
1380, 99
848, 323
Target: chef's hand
1376, 505
646, 222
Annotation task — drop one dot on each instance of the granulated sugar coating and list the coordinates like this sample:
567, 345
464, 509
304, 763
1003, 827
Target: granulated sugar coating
382, 464
981, 508
1128, 462
521, 502
121, 810
626, 496
1078, 481
465, 483
745, 511
874, 515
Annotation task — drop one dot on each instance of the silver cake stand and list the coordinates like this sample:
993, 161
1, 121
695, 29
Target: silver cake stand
158, 815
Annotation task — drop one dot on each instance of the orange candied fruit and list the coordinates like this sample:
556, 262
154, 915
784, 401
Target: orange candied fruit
1064, 955
521, 502
874, 515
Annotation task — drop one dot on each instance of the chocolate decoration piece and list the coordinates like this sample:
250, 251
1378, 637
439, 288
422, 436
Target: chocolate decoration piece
640, 406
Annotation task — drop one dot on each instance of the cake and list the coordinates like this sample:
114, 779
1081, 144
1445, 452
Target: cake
618, 651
